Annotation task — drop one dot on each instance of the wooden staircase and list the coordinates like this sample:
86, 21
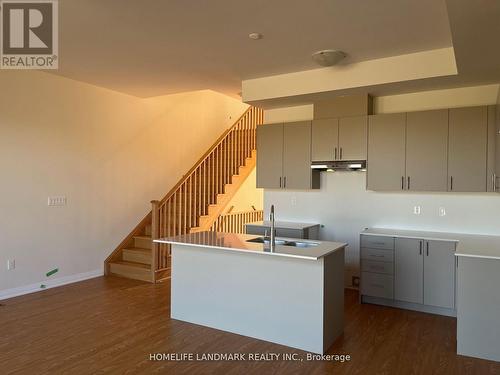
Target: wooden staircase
194, 204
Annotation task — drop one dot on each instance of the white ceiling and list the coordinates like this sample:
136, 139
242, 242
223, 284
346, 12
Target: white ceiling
152, 47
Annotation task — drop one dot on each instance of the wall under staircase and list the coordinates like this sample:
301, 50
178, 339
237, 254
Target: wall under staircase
194, 204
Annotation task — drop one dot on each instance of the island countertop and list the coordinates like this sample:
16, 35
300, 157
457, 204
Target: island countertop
239, 243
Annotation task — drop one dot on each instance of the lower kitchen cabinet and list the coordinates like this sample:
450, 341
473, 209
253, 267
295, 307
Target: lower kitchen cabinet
412, 273
439, 274
409, 270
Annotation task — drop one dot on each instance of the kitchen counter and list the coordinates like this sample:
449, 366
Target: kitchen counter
284, 224
293, 296
285, 229
477, 292
468, 245
239, 243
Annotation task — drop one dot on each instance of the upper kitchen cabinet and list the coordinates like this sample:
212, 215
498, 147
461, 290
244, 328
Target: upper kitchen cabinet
284, 156
497, 148
467, 156
270, 156
339, 139
325, 139
427, 150
493, 148
353, 138
297, 173
386, 152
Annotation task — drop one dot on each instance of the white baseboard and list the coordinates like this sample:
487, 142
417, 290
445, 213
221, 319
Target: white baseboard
52, 283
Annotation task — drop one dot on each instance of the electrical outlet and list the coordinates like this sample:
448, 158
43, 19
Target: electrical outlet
11, 264
57, 201
417, 210
442, 211
355, 281
293, 200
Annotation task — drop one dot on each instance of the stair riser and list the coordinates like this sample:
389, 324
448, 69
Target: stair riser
130, 272
143, 243
132, 256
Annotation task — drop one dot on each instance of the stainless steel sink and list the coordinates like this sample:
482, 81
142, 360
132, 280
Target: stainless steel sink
266, 241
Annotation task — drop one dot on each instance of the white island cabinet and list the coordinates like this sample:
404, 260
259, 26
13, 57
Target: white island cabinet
293, 296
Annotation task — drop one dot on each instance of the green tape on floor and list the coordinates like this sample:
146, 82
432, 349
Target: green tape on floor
42, 286
50, 273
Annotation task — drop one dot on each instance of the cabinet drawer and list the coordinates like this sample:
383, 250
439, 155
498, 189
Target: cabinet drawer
377, 254
377, 285
377, 267
377, 242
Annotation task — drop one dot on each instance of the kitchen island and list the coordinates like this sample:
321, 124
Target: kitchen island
292, 296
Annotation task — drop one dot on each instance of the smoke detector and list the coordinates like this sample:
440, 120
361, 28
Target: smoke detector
328, 57
255, 36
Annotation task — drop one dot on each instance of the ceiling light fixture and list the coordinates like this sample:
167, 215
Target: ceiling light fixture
328, 57
255, 36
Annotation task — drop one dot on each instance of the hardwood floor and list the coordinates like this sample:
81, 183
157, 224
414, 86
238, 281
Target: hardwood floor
111, 325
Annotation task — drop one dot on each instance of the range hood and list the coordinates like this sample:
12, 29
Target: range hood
344, 165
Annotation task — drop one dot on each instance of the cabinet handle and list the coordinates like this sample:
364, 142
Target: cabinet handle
427, 248
335, 153
420, 251
402, 182
341, 153
494, 178
284, 182
408, 187
280, 182
451, 182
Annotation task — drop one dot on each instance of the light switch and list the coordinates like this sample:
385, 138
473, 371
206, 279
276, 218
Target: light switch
11, 264
416, 210
57, 201
442, 211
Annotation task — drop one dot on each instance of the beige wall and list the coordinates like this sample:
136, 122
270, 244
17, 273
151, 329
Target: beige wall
248, 195
345, 207
108, 153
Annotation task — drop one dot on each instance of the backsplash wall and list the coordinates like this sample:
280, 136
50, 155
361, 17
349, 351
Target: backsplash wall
345, 208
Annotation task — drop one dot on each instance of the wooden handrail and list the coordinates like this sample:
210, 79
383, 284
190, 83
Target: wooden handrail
205, 189
209, 151
234, 222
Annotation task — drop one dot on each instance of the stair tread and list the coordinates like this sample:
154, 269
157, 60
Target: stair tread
132, 264
138, 250
143, 237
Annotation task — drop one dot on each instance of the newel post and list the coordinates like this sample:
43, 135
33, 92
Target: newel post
155, 234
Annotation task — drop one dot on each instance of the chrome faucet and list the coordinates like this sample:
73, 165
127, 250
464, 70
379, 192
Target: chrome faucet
272, 240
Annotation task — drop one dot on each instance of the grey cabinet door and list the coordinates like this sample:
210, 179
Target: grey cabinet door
325, 139
427, 150
408, 270
386, 152
297, 155
270, 156
353, 137
467, 149
439, 274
